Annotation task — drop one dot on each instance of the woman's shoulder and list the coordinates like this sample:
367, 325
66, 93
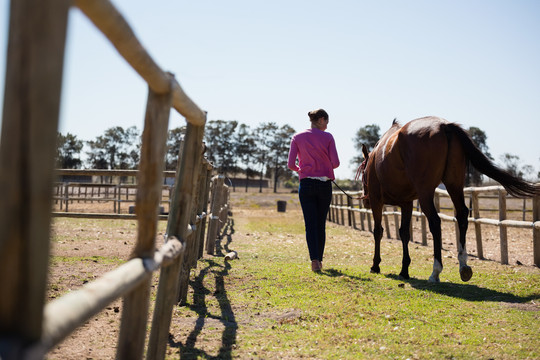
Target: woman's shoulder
302, 134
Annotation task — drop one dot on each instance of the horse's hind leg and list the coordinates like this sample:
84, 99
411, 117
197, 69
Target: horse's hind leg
377, 236
405, 234
434, 221
462, 214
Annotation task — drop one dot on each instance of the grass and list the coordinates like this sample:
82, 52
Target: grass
268, 304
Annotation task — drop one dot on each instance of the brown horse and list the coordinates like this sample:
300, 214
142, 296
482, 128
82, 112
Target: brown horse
408, 163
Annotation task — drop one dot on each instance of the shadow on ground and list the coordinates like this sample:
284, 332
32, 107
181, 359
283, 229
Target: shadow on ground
189, 350
468, 292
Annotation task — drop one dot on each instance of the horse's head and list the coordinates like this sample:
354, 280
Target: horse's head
361, 172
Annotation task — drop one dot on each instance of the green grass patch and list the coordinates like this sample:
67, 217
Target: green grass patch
269, 305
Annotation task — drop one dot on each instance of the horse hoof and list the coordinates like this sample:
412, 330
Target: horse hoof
465, 273
433, 279
404, 276
375, 270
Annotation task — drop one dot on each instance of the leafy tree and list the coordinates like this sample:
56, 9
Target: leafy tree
264, 134
479, 137
174, 141
220, 148
115, 149
528, 172
367, 135
279, 150
67, 151
245, 149
511, 164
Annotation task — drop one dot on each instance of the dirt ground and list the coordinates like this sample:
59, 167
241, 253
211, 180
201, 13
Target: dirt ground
101, 249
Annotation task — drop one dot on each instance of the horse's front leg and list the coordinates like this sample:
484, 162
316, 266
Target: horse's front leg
405, 234
377, 236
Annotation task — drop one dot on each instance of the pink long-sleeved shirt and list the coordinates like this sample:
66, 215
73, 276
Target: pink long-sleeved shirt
316, 152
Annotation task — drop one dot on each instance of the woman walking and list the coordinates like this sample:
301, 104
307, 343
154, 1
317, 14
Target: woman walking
317, 159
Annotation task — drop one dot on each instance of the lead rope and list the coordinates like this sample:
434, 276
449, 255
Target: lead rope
343, 191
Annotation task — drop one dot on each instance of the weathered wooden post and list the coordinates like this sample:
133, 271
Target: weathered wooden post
502, 228
213, 225
341, 210
396, 223
191, 251
136, 304
353, 213
477, 225
224, 211
362, 214
386, 223
34, 67
205, 208
423, 224
536, 230
349, 212
118, 195
179, 217
370, 226
66, 195
331, 213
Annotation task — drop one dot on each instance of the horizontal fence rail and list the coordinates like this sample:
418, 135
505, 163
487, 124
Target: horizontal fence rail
116, 187
29, 327
343, 210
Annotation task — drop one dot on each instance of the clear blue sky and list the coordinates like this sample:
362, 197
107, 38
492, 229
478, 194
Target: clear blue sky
366, 62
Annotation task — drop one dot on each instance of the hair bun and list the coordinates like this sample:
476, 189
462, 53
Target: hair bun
315, 115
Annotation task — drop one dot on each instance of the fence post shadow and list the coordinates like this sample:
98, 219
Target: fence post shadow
188, 350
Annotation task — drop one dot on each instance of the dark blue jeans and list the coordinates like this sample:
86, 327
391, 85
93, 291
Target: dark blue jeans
315, 197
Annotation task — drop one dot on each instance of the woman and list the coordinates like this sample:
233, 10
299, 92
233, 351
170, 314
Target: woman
317, 159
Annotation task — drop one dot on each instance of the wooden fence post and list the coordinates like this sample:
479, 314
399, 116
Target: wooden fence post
213, 225
200, 212
370, 226
349, 212
205, 207
179, 216
423, 224
66, 195
396, 223
362, 215
536, 230
502, 228
477, 225
386, 224
34, 67
192, 249
341, 210
150, 179
334, 210
353, 213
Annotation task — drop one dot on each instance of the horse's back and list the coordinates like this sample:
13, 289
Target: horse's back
424, 147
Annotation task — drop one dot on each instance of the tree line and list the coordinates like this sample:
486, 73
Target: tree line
235, 149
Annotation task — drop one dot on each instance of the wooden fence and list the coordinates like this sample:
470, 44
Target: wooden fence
115, 193
29, 328
343, 207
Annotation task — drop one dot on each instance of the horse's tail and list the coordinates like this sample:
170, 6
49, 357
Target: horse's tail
514, 185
